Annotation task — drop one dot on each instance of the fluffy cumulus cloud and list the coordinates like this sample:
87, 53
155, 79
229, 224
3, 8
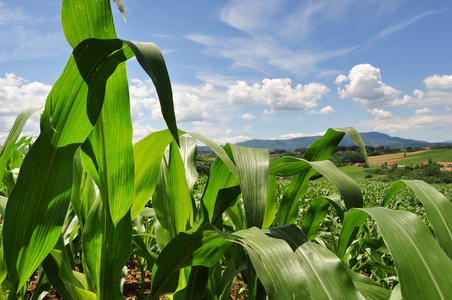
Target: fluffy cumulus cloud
17, 94
364, 85
380, 114
438, 92
438, 82
278, 94
324, 111
188, 103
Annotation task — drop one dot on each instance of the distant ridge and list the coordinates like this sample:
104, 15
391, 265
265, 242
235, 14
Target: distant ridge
373, 139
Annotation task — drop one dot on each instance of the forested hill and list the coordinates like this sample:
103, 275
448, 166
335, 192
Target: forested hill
373, 139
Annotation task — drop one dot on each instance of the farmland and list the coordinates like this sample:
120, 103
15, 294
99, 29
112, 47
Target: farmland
413, 158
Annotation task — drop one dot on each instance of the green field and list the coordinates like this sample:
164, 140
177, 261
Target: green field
443, 155
413, 158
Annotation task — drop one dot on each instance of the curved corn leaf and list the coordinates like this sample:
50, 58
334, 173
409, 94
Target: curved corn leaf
326, 276
218, 151
188, 150
368, 288
45, 180
220, 178
276, 265
201, 248
151, 60
120, 6
10, 143
321, 149
419, 260
349, 189
252, 167
354, 219
148, 154
437, 207
356, 138
317, 211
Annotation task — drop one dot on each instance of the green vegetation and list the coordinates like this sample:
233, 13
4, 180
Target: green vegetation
442, 155
86, 201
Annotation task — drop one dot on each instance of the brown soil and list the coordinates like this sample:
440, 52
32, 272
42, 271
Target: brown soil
132, 288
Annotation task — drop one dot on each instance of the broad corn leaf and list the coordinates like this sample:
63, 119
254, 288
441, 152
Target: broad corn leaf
45, 180
201, 248
106, 249
252, 167
420, 262
148, 154
437, 207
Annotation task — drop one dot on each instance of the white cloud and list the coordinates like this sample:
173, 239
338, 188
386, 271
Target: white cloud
410, 123
418, 94
248, 116
325, 111
278, 94
422, 111
366, 87
190, 103
141, 130
231, 139
380, 114
228, 131
296, 135
438, 82
17, 94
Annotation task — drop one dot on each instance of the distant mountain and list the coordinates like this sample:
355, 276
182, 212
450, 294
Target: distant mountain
373, 139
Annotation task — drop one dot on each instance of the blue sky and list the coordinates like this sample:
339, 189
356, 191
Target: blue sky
258, 68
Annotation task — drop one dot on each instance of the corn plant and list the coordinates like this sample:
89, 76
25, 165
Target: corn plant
86, 200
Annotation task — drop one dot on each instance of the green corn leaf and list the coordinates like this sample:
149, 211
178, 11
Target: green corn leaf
148, 154
218, 151
120, 6
437, 207
270, 208
84, 20
10, 143
368, 288
326, 276
419, 260
321, 149
180, 204
252, 167
201, 248
317, 211
171, 200
349, 189
106, 249
188, 150
275, 263
356, 138
220, 178
111, 145
45, 180
354, 219
151, 60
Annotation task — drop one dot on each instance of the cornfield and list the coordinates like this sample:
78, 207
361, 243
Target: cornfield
84, 200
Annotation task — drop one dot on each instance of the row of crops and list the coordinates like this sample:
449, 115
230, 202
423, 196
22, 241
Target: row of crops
85, 201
